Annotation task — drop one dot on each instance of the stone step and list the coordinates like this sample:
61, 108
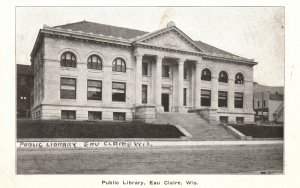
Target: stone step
198, 127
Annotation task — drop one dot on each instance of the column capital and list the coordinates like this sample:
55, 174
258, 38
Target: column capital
159, 57
139, 56
198, 64
181, 61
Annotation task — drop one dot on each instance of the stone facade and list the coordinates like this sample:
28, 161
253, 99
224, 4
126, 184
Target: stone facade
166, 65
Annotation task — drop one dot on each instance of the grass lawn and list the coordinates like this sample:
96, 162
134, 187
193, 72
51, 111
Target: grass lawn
87, 129
257, 131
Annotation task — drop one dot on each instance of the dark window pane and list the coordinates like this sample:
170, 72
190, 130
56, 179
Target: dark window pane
238, 100
184, 96
222, 99
119, 91
185, 73
68, 114
239, 120
144, 94
68, 59
94, 116
205, 97
121, 116
223, 119
94, 90
223, 77
94, 62
145, 69
239, 78
68, 88
119, 65
206, 75
165, 71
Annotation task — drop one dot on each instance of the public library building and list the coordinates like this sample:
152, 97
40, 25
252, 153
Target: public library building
91, 71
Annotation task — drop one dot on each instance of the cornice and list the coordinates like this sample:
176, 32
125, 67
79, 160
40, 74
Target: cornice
110, 40
203, 55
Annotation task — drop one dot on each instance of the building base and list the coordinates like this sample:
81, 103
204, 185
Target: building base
145, 113
180, 109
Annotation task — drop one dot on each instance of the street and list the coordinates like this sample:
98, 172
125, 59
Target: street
243, 159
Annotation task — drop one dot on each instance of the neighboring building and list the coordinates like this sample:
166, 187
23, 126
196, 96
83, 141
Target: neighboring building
268, 103
92, 71
24, 90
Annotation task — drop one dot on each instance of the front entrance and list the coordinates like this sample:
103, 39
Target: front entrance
165, 101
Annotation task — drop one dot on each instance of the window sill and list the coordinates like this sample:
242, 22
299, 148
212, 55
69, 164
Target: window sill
118, 102
119, 73
95, 70
92, 100
223, 83
69, 68
68, 99
223, 108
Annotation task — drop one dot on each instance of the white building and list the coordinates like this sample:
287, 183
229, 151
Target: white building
93, 71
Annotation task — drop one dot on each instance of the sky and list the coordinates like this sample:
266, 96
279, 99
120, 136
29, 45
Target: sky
251, 32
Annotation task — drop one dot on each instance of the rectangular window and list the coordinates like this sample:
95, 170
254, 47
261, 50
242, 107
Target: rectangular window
222, 99
23, 80
119, 91
166, 71
68, 88
257, 104
94, 90
145, 69
240, 120
238, 100
223, 119
185, 73
68, 114
144, 94
119, 116
205, 97
184, 96
264, 104
93, 116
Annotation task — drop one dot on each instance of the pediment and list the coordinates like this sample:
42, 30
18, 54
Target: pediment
171, 39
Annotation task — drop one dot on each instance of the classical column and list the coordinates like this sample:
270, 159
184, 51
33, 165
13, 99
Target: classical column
214, 92
180, 107
138, 79
158, 79
197, 85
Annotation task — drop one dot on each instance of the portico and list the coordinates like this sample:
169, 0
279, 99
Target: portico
172, 84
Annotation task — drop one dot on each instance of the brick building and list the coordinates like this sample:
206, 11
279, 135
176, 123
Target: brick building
268, 103
24, 90
92, 71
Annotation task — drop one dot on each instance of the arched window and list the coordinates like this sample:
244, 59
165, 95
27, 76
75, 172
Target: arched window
119, 65
206, 74
239, 78
68, 59
94, 62
223, 77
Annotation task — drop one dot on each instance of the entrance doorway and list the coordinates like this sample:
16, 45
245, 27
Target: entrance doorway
165, 101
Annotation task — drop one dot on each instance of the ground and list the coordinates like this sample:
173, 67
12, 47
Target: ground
247, 159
